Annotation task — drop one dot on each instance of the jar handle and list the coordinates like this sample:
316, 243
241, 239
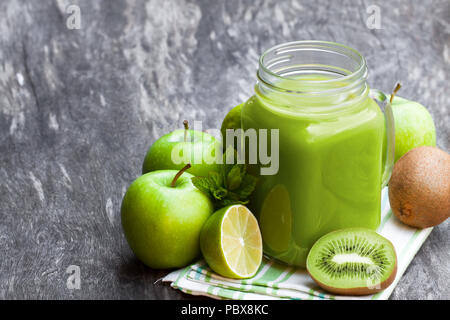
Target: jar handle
389, 135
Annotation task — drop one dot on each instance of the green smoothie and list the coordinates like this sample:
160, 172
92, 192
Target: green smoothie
330, 165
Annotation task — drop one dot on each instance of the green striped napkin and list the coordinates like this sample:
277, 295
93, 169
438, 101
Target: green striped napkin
279, 281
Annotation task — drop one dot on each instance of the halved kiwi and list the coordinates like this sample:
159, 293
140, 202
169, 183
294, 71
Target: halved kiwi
353, 261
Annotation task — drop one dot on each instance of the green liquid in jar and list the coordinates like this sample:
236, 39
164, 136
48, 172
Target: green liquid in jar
330, 168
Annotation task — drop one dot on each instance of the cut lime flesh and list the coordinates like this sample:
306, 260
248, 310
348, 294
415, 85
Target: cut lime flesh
231, 242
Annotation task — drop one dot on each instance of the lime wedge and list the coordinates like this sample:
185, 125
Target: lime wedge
231, 242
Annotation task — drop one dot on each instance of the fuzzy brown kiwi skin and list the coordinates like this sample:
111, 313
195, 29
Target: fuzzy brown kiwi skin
419, 189
360, 291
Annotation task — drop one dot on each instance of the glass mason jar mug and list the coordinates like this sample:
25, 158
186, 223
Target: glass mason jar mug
335, 145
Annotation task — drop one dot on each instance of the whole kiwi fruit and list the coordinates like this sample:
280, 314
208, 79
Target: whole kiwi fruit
419, 189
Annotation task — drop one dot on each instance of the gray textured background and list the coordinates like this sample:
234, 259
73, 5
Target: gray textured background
79, 108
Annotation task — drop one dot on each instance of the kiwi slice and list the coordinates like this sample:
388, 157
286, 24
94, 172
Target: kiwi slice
353, 261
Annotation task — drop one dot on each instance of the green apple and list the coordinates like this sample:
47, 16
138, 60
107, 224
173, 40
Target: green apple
162, 216
174, 150
414, 126
232, 120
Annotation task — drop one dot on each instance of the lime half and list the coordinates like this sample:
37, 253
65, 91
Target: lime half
231, 242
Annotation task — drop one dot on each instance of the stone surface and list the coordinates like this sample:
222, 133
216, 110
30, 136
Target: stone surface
79, 108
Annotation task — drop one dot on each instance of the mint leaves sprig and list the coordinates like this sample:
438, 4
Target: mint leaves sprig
232, 185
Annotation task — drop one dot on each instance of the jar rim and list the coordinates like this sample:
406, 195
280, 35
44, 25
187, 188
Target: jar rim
352, 77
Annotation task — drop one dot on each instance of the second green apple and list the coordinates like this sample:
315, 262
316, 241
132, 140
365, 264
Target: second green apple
414, 126
174, 150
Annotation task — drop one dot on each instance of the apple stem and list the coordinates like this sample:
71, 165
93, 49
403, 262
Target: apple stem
174, 181
397, 87
186, 128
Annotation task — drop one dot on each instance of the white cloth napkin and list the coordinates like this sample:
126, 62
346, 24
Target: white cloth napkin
278, 281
